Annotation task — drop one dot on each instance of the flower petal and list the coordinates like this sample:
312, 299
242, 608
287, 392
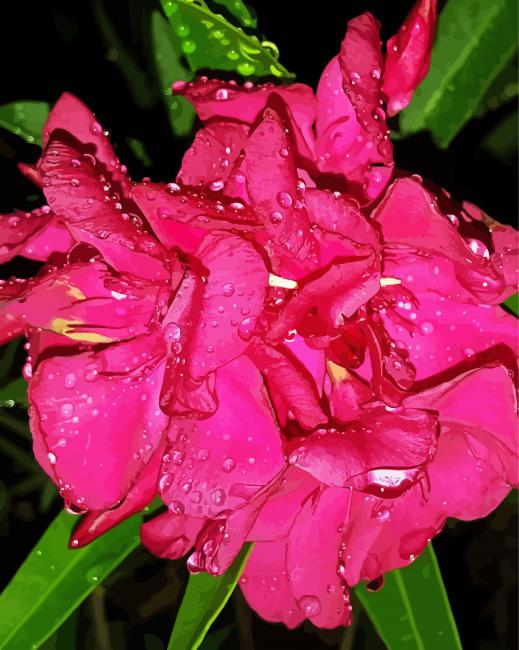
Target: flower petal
71, 396
266, 587
80, 197
36, 235
220, 463
313, 559
71, 115
382, 452
408, 55
170, 536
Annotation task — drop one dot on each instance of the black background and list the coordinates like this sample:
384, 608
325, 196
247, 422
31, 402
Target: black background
49, 47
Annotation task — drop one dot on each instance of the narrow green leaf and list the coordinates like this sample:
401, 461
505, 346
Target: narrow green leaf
54, 580
15, 392
412, 611
503, 88
215, 640
204, 599
139, 151
239, 10
167, 55
25, 119
475, 40
512, 304
209, 41
501, 141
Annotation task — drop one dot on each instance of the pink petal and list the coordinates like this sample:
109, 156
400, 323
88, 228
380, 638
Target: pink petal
71, 115
231, 304
471, 473
95, 444
408, 55
219, 464
290, 383
381, 452
425, 228
84, 202
209, 160
30, 172
140, 495
270, 177
170, 536
266, 587
313, 558
214, 98
183, 218
333, 294
84, 302
36, 235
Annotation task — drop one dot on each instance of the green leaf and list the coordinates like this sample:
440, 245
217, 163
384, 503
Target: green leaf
239, 10
512, 304
167, 55
209, 41
501, 141
54, 580
204, 599
475, 40
502, 89
14, 393
412, 610
215, 640
25, 119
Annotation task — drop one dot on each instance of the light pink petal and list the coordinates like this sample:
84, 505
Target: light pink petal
408, 55
313, 559
231, 303
266, 587
292, 387
220, 463
99, 419
270, 177
170, 536
214, 98
182, 218
71, 115
76, 193
83, 302
382, 452
140, 495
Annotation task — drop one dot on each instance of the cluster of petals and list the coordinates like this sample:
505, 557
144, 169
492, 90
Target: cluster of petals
292, 344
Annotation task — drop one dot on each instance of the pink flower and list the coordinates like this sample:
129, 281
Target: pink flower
285, 346
339, 132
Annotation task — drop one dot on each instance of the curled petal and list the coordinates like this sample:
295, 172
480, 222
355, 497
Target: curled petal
214, 98
408, 55
80, 196
382, 452
170, 536
69, 114
36, 235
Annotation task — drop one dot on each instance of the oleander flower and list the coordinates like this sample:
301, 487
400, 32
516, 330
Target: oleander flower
292, 344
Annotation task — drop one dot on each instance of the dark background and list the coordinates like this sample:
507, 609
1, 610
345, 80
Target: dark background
49, 47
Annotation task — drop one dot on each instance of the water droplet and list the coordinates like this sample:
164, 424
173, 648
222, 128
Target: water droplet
247, 327
309, 605
228, 465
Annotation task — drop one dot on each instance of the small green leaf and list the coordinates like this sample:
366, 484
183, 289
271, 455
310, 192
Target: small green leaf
25, 119
167, 55
139, 151
239, 10
54, 580
14, 393
204, 599
209, 41
512, 304
474, 42
412, 609
501, 141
